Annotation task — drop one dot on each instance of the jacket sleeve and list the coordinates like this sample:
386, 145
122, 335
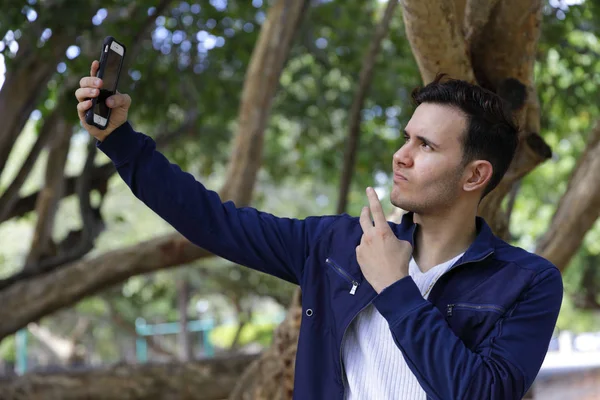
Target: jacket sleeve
277, 246
502, 367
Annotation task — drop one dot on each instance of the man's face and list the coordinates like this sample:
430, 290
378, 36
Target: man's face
428, 167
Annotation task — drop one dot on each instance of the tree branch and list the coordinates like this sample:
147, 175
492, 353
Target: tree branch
476, 16
578, 209
101, 174
365, 79
25, 87
78, 242
43, 294
505, 47
10, 197
29, 73
261, 83
42, 245
98, 180
203, 380
503, 57
434, 31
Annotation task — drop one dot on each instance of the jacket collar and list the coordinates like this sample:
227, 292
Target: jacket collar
482, 246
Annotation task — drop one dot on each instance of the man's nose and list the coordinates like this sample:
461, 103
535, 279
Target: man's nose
403, 156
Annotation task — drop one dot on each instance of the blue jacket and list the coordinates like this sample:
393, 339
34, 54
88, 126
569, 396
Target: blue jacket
482, 333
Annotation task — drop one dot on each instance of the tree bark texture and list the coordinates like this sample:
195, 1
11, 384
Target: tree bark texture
433, 29
196, 380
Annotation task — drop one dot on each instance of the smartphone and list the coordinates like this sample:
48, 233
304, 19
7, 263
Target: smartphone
111, 61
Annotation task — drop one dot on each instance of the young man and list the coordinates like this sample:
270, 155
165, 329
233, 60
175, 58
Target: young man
463, 316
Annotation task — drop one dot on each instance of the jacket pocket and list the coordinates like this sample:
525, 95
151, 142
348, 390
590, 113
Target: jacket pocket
474, 307
472, 322
341, 272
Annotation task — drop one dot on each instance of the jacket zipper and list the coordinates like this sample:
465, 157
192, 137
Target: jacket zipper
344, 275
342, 344
478, 307
355, 285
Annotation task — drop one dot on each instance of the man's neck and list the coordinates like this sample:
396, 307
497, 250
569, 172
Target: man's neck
441, 237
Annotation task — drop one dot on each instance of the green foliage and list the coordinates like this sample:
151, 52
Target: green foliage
262, 334
8, 349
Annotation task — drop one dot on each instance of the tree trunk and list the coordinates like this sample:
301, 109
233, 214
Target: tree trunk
503, 57
433, 29
578, 209
202, 380
261, 83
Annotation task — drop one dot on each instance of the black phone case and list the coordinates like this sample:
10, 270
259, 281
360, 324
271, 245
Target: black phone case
89, 115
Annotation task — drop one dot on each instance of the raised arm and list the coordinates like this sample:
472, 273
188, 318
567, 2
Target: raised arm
277, 246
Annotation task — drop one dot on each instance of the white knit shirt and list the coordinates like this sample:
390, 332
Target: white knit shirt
374, 366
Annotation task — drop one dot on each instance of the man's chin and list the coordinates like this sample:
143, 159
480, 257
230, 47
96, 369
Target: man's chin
405, 204
402, 204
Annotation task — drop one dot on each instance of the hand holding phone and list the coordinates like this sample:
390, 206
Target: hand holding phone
101, 108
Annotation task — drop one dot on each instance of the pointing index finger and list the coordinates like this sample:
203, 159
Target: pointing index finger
376, 209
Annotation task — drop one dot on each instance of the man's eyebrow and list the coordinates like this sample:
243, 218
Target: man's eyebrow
422, 139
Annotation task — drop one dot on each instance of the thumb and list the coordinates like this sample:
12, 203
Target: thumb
119, 100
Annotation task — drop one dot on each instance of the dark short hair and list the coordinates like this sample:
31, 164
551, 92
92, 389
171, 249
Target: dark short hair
492, 133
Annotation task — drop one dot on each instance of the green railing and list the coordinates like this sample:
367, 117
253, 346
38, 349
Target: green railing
170, 328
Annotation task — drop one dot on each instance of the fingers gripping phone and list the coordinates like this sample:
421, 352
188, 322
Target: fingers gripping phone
111, 61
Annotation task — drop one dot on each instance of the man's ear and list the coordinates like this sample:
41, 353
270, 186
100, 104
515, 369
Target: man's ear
477, 175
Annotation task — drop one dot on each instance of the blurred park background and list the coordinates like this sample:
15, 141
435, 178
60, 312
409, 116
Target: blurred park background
291, 106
